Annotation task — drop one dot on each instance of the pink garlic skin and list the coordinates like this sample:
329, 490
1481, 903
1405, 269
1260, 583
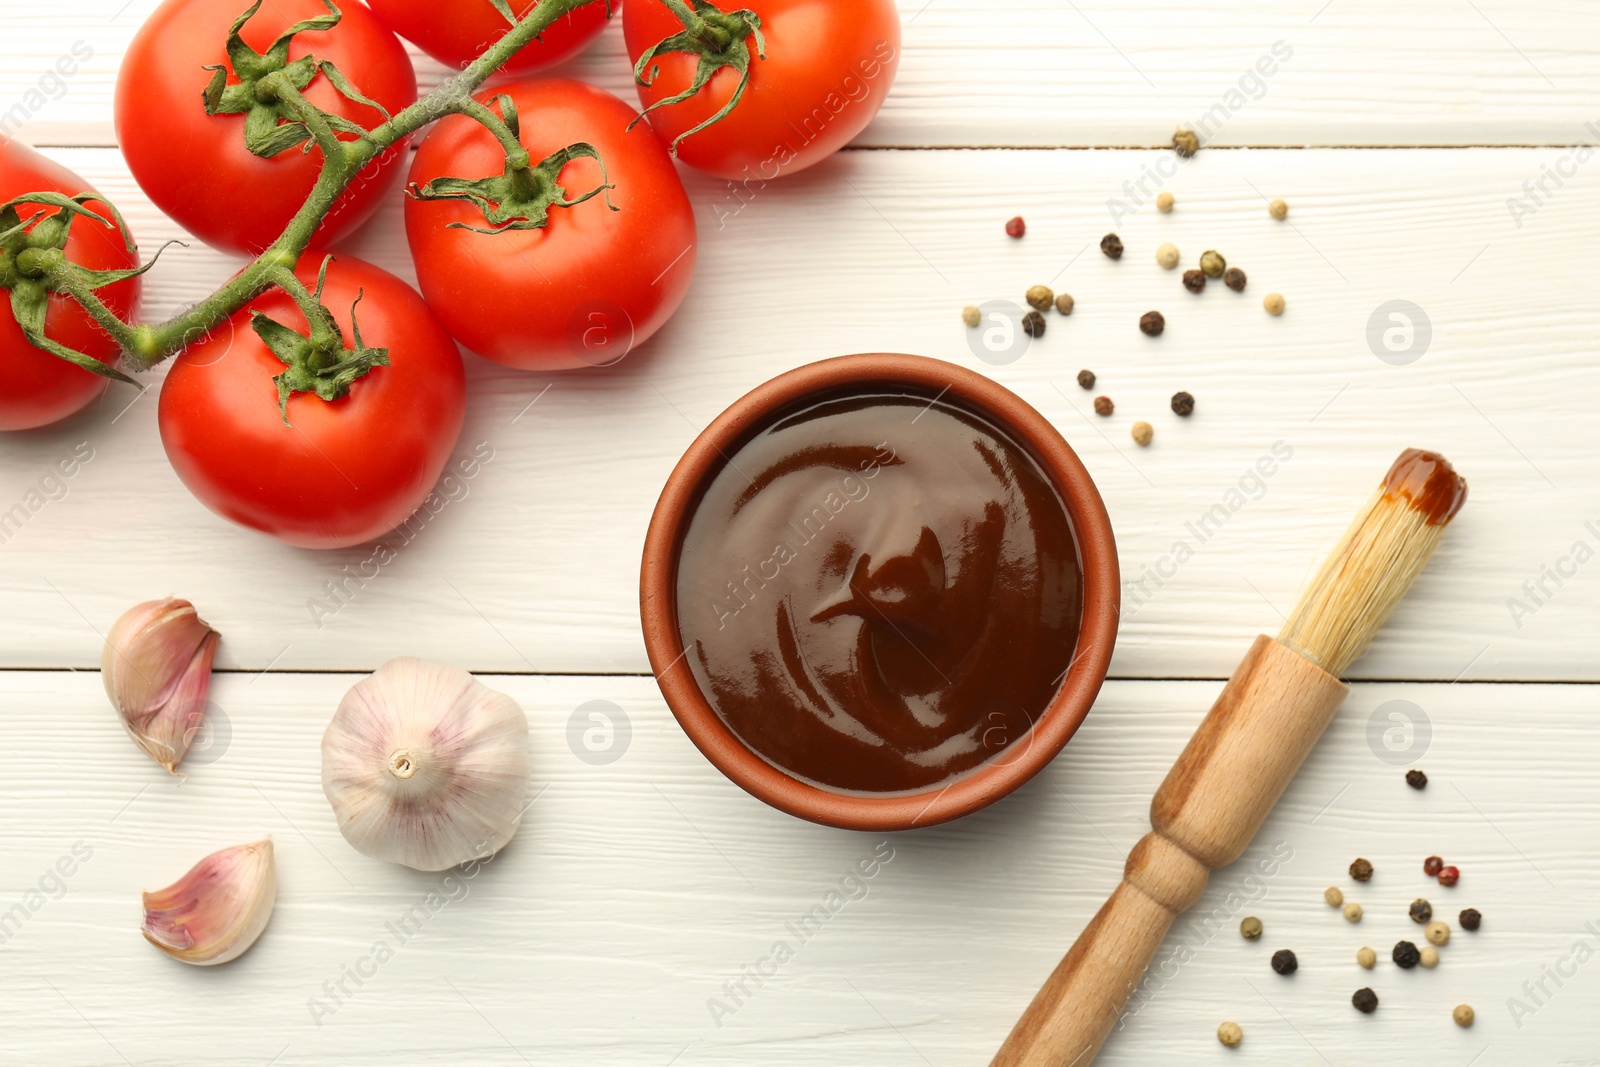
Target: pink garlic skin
218, 909
156, 667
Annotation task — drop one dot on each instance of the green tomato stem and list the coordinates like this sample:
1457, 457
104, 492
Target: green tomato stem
148, 345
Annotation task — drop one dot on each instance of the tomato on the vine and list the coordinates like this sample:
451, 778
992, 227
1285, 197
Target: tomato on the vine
598, 278
195, 166
37, 388
458, 32
338, 472
827, 70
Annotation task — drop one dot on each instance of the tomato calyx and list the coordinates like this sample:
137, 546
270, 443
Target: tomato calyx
318, 361
523, 194
34, 264
720, 39
268, 87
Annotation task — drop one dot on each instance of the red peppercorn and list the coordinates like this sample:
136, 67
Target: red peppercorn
1432, 866
1016, 227
1450, 876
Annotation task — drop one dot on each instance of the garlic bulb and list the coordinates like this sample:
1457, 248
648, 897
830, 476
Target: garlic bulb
156, 667
426, 766
217, 910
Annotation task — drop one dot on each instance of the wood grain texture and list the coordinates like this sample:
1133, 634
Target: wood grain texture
635, 890
1038, 72
534, 564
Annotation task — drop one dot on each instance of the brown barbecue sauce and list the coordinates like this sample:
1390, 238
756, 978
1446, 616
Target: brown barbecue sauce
879, 593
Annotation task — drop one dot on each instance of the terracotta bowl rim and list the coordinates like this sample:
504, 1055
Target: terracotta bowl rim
988, 782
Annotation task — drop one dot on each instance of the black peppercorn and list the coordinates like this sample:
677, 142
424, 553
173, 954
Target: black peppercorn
1361, 870
1111, 245
1416, 779
1406, 955
1194, 280
1183, 403
1103, 405
1086, 379
1421, 911
1152, 323
1234, 279
1033, 324
1185, 143
1283, 962
1471, 918
1365, 1000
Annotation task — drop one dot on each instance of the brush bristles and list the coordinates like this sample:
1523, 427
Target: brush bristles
1361, 582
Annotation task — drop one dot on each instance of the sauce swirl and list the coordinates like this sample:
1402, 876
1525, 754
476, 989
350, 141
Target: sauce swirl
879, 593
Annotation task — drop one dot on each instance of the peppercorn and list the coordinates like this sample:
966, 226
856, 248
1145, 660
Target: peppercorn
1194, 281
1212, 263
1103, 405
1449, 876
1167, 256
1367, 958
1437, 933
1033, 324
1250, 928
1421, 911
1152, 323
1230, 1034
1183, 403
1111, 245
1185, 143
1365, 1000
1463, 1014
1274, 305
1234, 279
1353, 912
1471, 918
1283, 962
1428, 956
1064, 303
1333, 896
1142, 432
1416, 779
1432, 866
1164, 203
1016, 227
971, 315
1278, 210
1361, 870
1086, 379
1405, 954
1040, 297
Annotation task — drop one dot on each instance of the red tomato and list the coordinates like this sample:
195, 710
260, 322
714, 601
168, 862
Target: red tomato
593, 282
196, 168
828, 69
456, 33
37, 388
342, 472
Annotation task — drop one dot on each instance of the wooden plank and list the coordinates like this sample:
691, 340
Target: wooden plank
533, 565
638, 888
1037, 72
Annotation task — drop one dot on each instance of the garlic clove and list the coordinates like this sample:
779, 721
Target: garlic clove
156, 667
218, 909
426, 766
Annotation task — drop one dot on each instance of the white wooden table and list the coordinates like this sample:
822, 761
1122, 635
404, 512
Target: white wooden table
639, 887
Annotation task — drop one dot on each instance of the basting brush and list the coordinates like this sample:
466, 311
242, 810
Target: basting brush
1240, 760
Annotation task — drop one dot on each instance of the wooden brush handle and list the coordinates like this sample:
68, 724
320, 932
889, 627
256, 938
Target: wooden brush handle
1213, 801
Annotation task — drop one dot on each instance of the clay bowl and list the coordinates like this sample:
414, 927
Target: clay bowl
879, 373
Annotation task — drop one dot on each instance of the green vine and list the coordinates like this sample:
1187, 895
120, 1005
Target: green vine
268, 90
